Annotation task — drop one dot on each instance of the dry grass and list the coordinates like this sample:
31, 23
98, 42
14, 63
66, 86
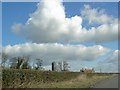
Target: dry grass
43, 79
82, 81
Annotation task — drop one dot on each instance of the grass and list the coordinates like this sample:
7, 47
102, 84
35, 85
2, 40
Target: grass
14, 78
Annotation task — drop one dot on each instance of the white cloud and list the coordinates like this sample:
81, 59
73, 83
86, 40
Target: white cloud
56, 52
50, 24
96, 15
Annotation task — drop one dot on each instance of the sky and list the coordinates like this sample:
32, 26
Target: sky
84, 34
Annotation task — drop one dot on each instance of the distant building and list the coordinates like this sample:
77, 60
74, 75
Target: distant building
87, 70
60, 66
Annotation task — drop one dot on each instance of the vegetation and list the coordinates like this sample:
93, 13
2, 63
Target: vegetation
26, 78
4, 58
19, 75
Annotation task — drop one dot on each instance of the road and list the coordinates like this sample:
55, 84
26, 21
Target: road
109, 83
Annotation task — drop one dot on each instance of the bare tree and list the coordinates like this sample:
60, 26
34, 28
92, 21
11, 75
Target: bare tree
13, 62
24, 65
22, 62
65, 66
4, 59
39, 64
60, 65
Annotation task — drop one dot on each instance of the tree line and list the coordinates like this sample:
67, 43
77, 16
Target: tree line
22, 62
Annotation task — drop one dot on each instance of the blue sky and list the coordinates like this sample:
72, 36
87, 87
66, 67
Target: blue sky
19, 12
13, 13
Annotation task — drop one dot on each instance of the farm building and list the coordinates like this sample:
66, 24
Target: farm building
84, 70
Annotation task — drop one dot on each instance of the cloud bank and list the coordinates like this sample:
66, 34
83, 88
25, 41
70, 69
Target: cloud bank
56, 52
76, 55
49, 24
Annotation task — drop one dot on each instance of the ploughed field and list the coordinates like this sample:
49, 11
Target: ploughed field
25, 78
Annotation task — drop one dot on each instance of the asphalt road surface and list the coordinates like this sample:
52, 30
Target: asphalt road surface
109, 83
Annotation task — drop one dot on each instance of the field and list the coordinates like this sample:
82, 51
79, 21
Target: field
14, 78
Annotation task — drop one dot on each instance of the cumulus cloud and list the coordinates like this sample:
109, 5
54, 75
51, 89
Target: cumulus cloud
56, 52
50, 24
96, 15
